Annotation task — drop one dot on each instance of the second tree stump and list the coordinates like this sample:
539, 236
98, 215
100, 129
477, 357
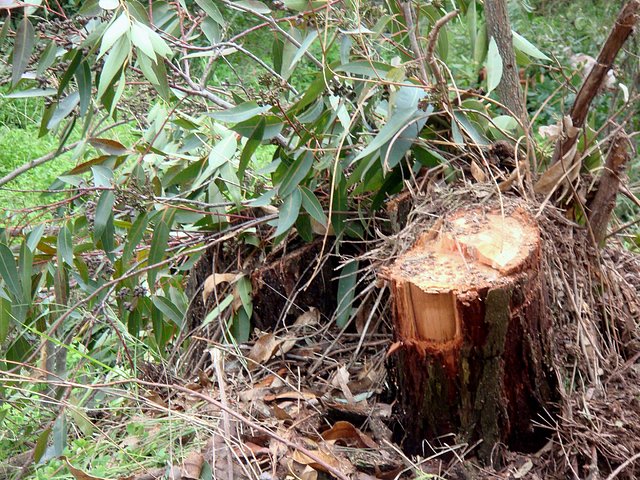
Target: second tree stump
471, 328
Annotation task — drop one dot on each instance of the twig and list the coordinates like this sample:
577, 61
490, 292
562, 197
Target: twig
623, 27
407, 11
275, 26
35, 162
604, 200
622, 466
431, 48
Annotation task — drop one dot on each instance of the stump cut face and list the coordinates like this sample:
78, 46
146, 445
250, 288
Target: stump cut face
469, 316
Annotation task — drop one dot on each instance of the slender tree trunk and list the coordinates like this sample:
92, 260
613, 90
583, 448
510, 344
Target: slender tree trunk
499, 28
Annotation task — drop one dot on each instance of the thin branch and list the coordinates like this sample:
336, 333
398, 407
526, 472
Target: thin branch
275, 26
621, 31
407, 11
431, 48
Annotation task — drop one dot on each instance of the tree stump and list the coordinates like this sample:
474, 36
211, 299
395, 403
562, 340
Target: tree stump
471, 328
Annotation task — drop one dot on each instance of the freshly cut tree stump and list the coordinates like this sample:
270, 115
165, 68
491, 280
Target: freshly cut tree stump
471, 329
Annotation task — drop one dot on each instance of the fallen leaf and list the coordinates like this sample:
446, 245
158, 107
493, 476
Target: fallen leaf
341, 380
192, 466
326, 458
280, 414
213, 281
350, 435
477, 173
263, 349
77, 473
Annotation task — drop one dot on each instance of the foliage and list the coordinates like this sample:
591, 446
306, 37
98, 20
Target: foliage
265, 123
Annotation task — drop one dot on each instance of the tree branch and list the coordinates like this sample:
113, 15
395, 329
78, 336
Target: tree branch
604, 200
623, 27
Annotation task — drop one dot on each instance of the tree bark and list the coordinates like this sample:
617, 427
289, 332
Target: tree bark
499, 28
471, 328
604, 201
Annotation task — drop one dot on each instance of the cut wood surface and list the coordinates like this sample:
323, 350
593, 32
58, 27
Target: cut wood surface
470, 319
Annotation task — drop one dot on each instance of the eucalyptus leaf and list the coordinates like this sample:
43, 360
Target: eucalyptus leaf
288, 212
23, 46
494, 66
346, 292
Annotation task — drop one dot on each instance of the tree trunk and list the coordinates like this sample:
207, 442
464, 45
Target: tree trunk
499, 28
470, 325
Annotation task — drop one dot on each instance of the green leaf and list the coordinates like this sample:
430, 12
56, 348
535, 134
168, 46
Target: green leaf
346, 292
83, 79
212, 10
296, 173
254, 141
240, 327
104, 211
159, 243
303, 5
215, 313
472, 24
113, 64
240, 113
6, 318
47, 58
34, 237
407, 99
505, 122
272, 126
289, 211
9, 271
109, 4
142, 40
525, 46
470, 129
340, 205
22, 49
41, 445
65, 246
117, 29
32, 92
64, 108
312, 206
245, 290
25, 269
135, 236
70, 72
252, 5
169, 309
480, 50
365, 68
494, 66
304, 46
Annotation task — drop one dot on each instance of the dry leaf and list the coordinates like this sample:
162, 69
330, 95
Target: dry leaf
263, 349
77, 473
559, 173
552, 132
477, 173
305, 320
214, 280
192, 466
341, 381
350, 435
326, 458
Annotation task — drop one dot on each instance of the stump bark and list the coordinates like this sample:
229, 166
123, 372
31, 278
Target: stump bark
471, 332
